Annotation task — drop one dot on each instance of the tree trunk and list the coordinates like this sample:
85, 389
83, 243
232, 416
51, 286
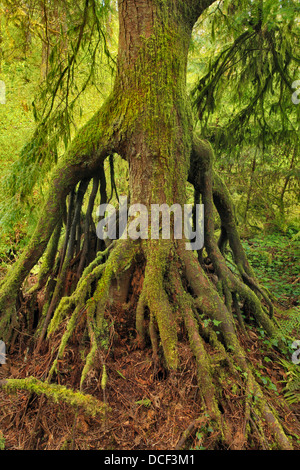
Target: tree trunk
157, 126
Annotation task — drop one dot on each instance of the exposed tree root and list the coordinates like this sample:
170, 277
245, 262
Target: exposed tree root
170, 300
56, 393
213, 191
84, 159
166, 297
176, 294
204, 371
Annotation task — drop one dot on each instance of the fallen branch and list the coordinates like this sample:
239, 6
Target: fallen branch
58, 393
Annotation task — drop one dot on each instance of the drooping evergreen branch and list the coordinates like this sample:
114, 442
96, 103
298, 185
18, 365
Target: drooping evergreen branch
259, 62
74, 58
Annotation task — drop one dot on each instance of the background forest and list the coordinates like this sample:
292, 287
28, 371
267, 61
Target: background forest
57, 73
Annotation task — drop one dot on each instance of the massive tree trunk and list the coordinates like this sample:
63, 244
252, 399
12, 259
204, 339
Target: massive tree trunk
148, 121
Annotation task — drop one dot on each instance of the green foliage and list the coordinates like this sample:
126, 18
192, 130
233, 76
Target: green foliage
201, 435
243, 61
78, 78
43, 111
2, 441
290, 324
244, 94
265, 189
266, 382
292, 382
17, 125
146, 402
275, 259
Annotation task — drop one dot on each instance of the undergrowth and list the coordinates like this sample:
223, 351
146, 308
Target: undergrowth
275, 259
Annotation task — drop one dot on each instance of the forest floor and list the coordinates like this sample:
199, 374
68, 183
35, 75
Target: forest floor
149, 409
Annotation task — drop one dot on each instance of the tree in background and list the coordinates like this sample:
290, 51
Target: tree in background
258, 55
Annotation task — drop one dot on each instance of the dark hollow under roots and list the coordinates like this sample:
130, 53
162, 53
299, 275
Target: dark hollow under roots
176, 292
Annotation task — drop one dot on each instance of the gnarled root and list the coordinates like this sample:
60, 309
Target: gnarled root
213, 306
171, 300
82, 161
175, 295
215, 193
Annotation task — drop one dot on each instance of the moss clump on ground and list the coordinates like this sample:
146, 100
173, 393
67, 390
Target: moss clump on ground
57, 393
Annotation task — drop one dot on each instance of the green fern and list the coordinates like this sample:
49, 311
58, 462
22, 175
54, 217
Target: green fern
291, 325
292, 382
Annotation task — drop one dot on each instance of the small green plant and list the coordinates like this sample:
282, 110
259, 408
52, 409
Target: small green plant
2, 441
292, 382
146, 402
275, 259
267, 382
200, 435
290, 326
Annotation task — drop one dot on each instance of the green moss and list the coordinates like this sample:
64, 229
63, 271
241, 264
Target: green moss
155, 106
89, 363
64, 307
157, 252
119, 260
58, 394
140, 318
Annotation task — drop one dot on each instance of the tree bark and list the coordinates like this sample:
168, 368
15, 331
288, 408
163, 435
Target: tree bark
151, 81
